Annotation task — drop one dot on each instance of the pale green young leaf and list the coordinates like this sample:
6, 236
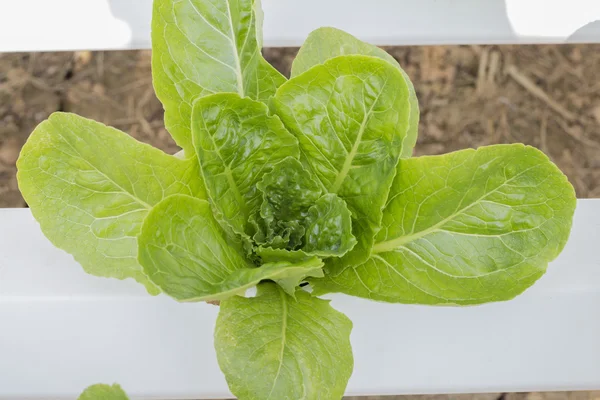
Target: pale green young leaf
103, 392
186, 253
90, 187
329, 228
201, 47
325, 43
465, 228
299, 348
257, 228
350, 116
237, 142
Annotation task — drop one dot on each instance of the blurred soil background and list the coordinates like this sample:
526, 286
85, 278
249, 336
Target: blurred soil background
470, 96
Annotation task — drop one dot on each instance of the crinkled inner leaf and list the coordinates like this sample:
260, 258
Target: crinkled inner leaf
299, 348
258, 228
464, 228
291, 233
90, 187
237, 142
288, 191
325, 43
350, 116
202, 47
295, 215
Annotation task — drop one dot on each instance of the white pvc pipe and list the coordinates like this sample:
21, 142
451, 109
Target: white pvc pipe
61, 330
50, 25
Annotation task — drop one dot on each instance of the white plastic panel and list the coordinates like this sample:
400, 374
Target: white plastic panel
47, 25
61, 330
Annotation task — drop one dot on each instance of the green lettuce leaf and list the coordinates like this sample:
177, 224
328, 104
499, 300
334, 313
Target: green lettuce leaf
290, 274
284, 235
237, 142
186, 253
287, 274
465, 228
258, 228
350, 116
325, 43
103, 392
202, 47
329, 228
299, 348
90, 187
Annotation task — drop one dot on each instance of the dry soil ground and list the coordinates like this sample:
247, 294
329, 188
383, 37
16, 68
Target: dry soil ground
546, 96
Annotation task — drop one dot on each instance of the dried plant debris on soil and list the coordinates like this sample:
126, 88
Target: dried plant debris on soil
546, 96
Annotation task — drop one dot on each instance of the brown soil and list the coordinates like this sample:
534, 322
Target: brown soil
546, 96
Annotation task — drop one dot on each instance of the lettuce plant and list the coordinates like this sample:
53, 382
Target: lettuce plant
287, 182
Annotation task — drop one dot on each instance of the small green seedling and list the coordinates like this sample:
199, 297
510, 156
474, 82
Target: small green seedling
287, 182
103, 392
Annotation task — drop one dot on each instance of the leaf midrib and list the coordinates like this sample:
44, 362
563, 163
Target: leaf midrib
233, 40
390, 245
233, 186
283, 338
238, 64
133, 196
350, 157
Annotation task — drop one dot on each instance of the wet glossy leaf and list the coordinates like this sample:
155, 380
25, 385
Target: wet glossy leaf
237, 142
350, 116
202, 47
90, 187
329, 228
326, 43
465, 228
270, 332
